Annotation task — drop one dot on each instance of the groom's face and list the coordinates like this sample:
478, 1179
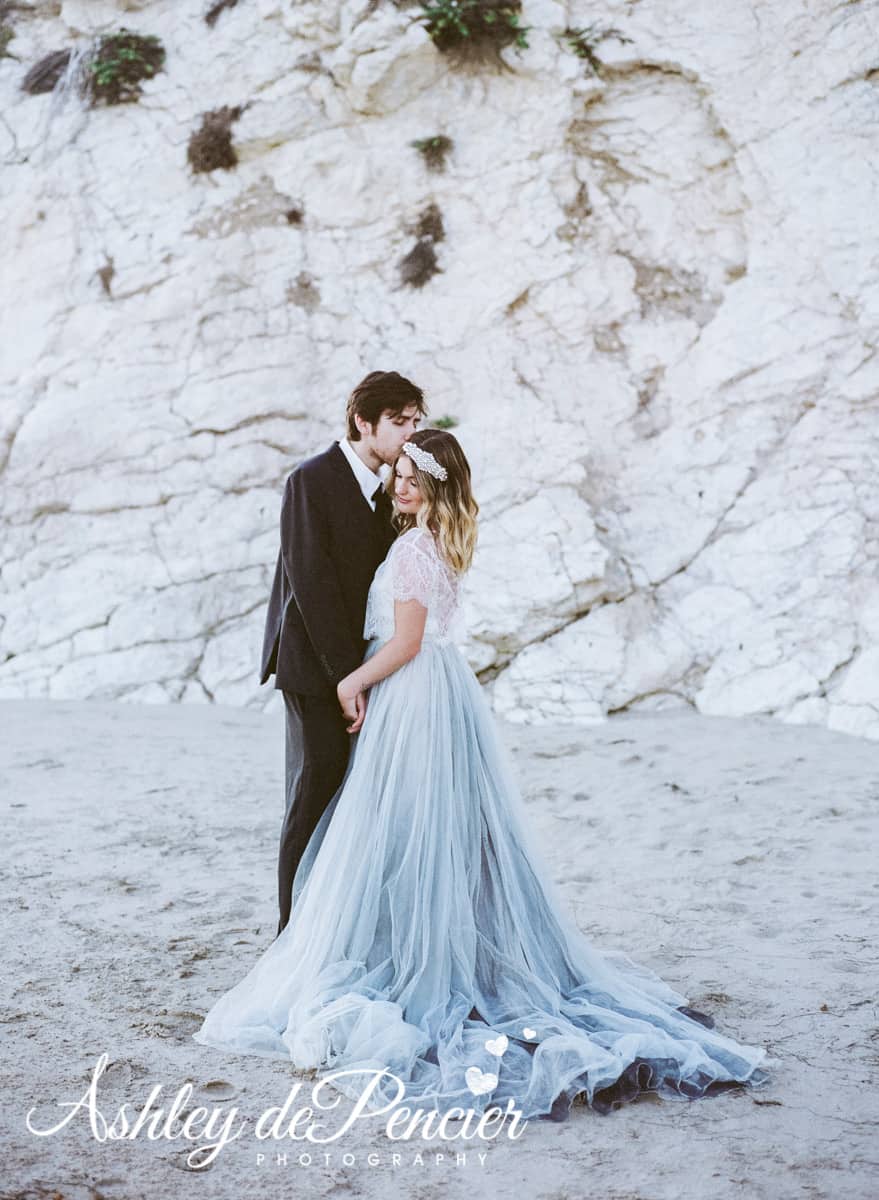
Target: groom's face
389, 433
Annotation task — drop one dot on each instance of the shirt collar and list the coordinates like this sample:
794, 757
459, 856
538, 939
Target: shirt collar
367, 480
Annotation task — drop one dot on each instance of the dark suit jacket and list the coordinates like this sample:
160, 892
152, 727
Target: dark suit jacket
331, 544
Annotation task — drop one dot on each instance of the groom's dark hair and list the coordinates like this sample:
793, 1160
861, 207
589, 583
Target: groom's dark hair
378, 392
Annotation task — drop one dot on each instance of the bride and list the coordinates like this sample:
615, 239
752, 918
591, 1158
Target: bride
426, 937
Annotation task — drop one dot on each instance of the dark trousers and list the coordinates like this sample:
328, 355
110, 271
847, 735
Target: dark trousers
317, 748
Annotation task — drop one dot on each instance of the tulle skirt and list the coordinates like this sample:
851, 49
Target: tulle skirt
427, 939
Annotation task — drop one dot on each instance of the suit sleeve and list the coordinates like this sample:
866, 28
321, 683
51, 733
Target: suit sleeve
314, 579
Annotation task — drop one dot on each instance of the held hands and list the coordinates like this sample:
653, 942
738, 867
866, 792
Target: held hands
353, 703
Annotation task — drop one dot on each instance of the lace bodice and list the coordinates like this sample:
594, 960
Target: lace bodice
415, 570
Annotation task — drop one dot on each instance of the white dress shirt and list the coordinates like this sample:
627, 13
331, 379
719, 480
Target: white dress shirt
367, 480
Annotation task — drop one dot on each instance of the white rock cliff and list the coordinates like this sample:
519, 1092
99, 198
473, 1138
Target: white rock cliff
655, 321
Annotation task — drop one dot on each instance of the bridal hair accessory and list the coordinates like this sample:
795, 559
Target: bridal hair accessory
425, 461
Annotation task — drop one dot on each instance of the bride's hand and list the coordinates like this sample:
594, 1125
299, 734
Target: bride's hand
353, 705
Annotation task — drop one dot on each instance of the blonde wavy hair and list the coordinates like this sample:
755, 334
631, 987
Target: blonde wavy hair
449, 509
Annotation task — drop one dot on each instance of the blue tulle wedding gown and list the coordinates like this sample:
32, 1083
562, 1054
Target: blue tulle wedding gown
425, 924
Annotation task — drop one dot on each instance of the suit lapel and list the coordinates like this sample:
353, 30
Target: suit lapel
374, 528
353, 497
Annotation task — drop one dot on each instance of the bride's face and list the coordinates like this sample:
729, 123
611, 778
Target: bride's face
407, 493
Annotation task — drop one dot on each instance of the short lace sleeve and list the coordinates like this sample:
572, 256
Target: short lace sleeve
414, 570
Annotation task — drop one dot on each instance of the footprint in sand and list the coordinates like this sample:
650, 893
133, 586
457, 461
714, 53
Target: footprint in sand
122, 1073
218, 1089
180, 1161
177, 1026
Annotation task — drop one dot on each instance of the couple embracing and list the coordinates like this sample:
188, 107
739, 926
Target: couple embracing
419, 930
337, 525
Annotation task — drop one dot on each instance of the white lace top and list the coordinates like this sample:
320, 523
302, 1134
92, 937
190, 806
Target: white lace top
415, 570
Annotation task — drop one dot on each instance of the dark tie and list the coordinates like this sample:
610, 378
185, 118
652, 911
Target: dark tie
383, 506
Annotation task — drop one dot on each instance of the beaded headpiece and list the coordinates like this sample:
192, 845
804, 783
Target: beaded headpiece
425, 461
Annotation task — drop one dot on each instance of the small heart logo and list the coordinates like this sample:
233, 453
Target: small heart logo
529, 1033
479, 1081
497, 1045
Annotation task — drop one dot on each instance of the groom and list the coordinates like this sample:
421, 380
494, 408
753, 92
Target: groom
335, 530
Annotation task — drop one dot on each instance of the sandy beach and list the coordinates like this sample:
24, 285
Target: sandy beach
734, 857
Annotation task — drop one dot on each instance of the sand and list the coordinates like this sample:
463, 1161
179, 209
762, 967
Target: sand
735, 857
